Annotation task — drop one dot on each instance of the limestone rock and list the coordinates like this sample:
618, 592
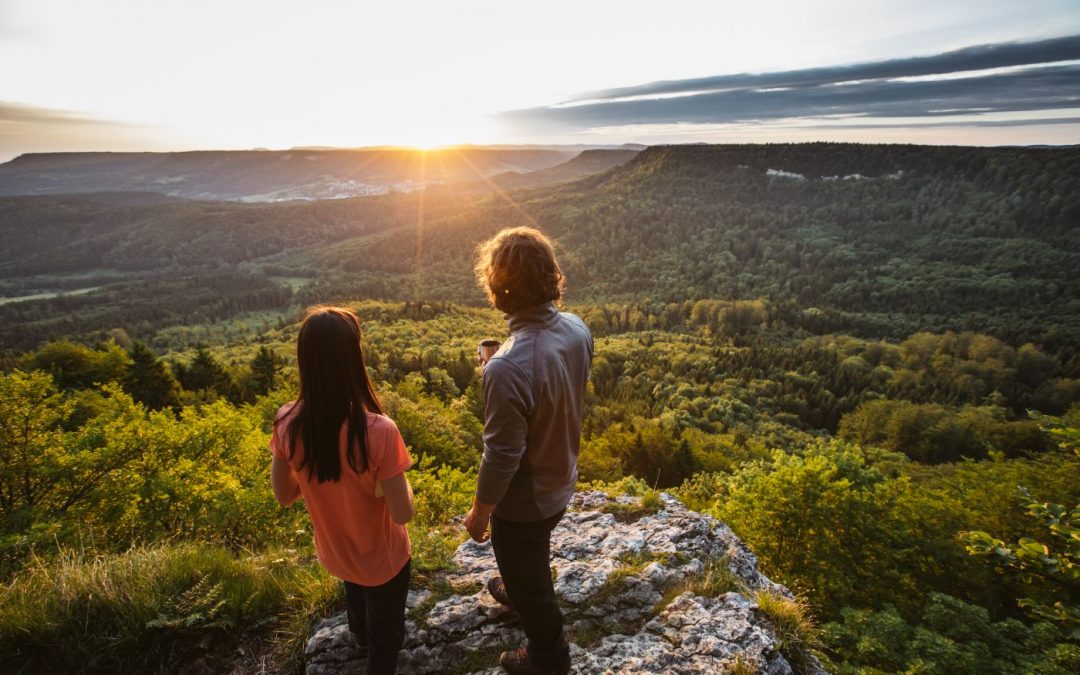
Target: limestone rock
634, 588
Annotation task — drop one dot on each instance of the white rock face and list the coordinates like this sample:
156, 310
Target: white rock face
780, 173
622, 576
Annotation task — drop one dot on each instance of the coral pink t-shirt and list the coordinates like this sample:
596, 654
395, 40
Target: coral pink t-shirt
355, 538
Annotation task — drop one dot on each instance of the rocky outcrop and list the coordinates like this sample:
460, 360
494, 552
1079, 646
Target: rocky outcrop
645, 588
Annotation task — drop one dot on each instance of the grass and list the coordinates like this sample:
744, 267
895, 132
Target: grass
648, 504
796, 631
649, 501
630, 564
793, 622
740, 667
590, 635
440, 590
188, 607
312, 594
712, 581
433, 549
481, 659
156, 608
715, 580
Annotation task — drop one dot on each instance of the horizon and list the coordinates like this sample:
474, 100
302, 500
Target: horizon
250, 76
526, 146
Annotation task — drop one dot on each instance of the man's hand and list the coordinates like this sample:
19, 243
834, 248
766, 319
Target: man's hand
477, 521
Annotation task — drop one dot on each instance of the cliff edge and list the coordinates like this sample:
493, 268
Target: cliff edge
647, 586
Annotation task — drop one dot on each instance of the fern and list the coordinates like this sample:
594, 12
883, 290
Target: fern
201, 607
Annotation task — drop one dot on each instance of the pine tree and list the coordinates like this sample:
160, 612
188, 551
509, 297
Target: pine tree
148, 381
264, 370
684, 464
204, 373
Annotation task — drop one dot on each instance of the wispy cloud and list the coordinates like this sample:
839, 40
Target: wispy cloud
19, 113
986, 81
27, 128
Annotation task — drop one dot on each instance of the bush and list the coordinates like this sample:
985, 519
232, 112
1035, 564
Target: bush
950, 636
442, 497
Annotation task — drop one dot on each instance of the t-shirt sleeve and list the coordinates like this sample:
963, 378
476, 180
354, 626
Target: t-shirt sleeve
395, 458
279, 445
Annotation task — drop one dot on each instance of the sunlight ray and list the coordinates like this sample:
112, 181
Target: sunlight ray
497, 189
421, 201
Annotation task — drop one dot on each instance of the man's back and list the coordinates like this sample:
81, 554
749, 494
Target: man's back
534, 390
534, 393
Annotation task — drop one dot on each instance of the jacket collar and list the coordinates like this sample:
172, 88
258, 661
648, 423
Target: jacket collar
544, 316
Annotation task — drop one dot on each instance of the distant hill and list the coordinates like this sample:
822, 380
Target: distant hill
143, 233
881, 240
588, 162
265, 175
874, 240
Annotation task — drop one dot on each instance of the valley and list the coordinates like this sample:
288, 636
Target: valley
852, 355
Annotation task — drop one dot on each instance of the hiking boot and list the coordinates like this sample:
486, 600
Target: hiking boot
497, 589
517, 663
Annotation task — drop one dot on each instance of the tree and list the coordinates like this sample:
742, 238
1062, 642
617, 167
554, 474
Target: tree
832, 524
76, 366
32, 443
264, 371
1050, 570
949, 636
148, 381
204, 373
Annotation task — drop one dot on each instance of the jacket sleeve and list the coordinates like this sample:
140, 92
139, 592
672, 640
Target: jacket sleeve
507, 403
592, 352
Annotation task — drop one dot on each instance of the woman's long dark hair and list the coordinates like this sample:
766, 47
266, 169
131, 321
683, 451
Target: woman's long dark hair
334, 387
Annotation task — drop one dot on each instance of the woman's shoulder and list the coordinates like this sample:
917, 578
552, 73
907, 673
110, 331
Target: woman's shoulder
380, 422
285, 413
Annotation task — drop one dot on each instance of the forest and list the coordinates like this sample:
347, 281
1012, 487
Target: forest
870, 372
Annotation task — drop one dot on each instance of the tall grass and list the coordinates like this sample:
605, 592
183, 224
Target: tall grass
154, 608
796, 630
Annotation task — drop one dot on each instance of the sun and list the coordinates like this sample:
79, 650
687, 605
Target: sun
442, 134
433, 140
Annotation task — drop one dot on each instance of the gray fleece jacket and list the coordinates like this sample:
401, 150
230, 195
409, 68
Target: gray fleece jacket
534, 393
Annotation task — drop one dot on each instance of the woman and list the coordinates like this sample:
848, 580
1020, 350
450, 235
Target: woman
335, 448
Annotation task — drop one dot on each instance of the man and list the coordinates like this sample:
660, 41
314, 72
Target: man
534, 391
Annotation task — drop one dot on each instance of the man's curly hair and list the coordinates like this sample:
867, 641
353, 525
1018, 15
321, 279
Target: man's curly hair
517, 269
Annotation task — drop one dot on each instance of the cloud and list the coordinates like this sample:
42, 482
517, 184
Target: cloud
18, 113
984, 80
27, 128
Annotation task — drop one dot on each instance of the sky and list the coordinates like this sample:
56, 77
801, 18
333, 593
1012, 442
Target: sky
222, 74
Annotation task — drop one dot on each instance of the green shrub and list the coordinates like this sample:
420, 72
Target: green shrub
950, 636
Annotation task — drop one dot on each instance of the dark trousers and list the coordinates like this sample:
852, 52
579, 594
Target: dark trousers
377, 617
523, 552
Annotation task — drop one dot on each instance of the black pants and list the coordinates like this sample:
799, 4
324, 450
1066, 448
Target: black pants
377, 616
523, 552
